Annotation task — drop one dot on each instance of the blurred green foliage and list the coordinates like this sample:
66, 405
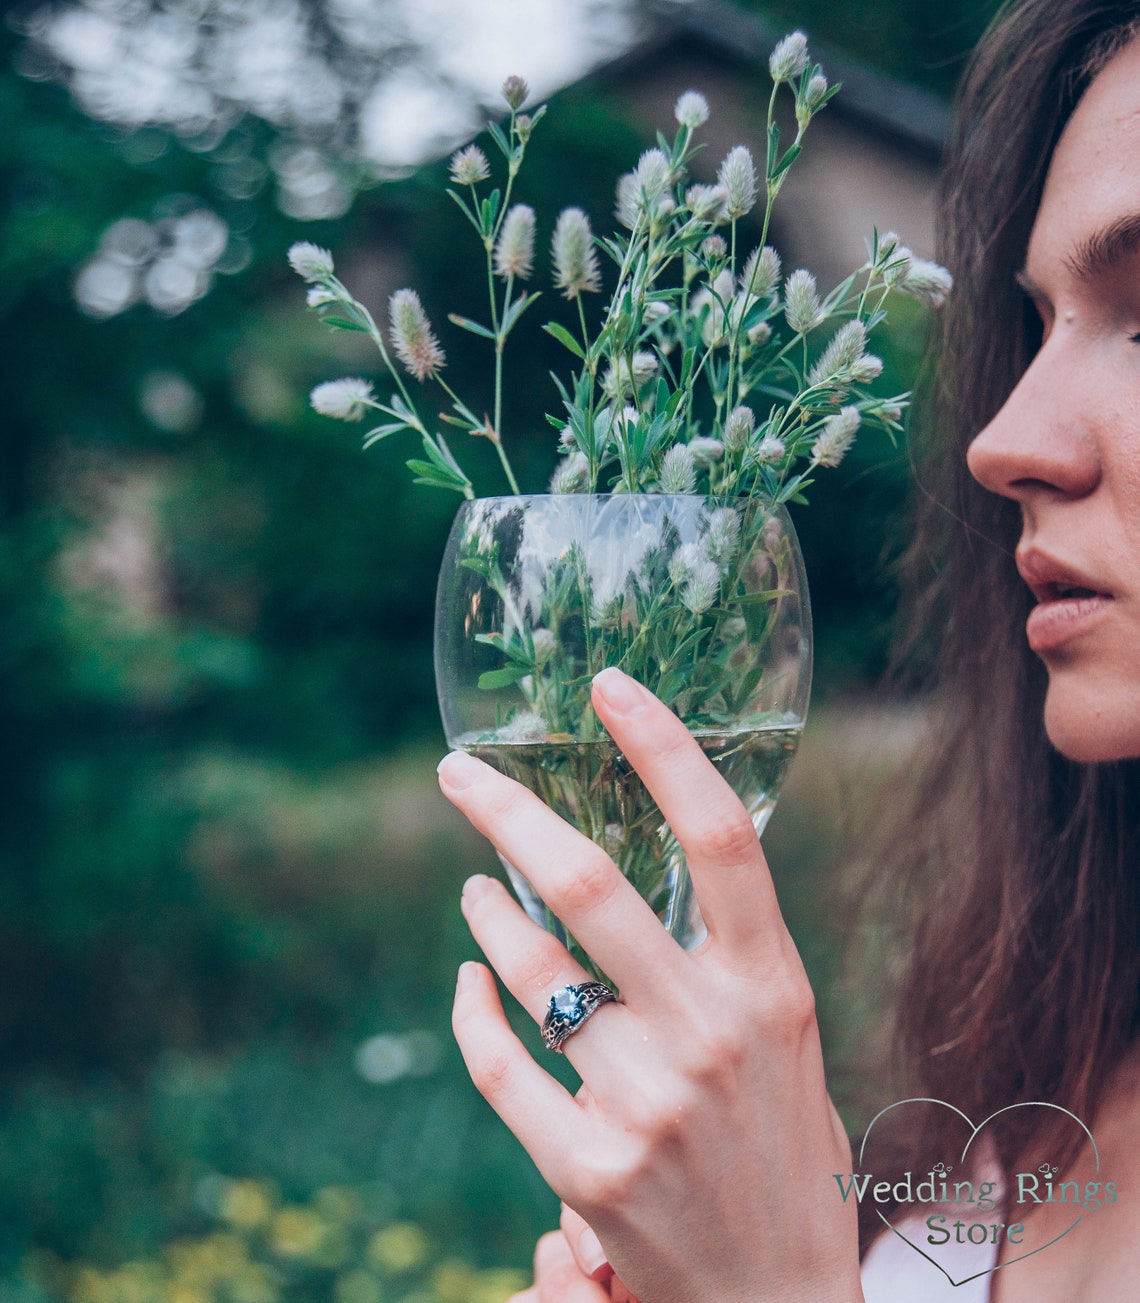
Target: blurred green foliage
223, 863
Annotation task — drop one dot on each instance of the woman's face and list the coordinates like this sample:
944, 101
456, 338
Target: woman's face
1066, 444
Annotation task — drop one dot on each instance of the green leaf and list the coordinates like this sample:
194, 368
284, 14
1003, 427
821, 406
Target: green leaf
499, 137
788, 159
515, 311
382, 432
339, 323
503, 678
565, 338
466, 210
465, 323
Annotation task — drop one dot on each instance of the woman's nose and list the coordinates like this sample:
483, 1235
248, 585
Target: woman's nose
1040, 441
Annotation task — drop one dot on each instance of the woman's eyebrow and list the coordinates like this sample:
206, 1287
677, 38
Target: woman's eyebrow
1103, 250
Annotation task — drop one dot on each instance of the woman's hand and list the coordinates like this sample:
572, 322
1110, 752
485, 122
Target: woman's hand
702, 1144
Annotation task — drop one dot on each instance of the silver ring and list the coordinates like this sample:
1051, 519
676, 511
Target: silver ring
570, 1006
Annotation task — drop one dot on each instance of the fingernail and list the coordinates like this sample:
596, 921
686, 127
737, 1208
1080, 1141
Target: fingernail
458, 770
591, 1255
475, 886
466, 976
623, 695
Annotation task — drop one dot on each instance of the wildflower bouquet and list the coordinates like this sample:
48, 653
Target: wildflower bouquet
711, 392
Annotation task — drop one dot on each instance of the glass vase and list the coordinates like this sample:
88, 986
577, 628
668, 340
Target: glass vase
703, 602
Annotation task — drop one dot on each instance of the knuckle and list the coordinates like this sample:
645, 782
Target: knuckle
789, 1005
536, 972
606, 1186
492, 1075
727, 836
591, 883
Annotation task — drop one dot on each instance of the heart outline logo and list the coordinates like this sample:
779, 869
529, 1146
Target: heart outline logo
974, 1131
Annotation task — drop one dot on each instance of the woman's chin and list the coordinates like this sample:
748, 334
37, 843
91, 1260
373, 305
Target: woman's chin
1093, 726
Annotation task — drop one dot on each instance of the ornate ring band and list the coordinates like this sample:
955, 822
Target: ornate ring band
570, 1006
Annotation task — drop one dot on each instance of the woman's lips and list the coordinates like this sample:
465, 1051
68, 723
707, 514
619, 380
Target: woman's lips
1054, 622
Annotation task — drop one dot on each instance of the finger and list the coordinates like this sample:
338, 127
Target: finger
574, 876
556, 1274
730, 874
527, 1296
585, 1246
531, 962
540, 1112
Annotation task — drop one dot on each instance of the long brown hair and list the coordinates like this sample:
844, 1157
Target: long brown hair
1021, 867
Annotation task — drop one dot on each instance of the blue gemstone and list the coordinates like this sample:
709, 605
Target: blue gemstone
566, 1004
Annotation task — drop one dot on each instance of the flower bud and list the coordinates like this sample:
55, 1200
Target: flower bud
345, 399
514, 249
738, 428
789, 58
691, 110
310, 261
515, 91
576, 269
738, 176
411, 335
801, 302
469, 166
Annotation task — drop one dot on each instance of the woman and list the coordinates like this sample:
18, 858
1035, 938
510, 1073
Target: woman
702, 1148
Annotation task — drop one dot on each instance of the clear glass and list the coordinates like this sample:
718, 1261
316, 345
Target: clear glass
703, 602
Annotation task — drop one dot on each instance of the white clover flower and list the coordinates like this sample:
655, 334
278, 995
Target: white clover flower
801, 302
769, 450
738, 176
866, 368
723, 537
571, 475
411, 335
683, 562
310, 261
815, 91
678, 471
700, 589
691, 110
714, 248
927, 282
707, 203
655, 310
627, 206
345, 399
705, 451
544, 641
515, 91
514, 249
606, 609
759, 334
469, 166
842, 352
625, 376
524, 726
896, 265
738, 428
761, 272
576, 269
652, 176
319, 297
789, 58
837, 435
